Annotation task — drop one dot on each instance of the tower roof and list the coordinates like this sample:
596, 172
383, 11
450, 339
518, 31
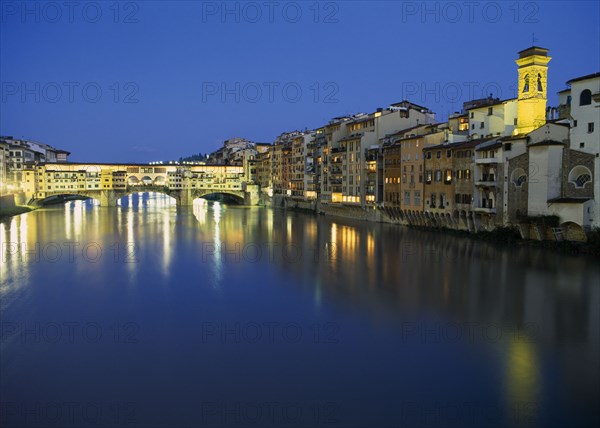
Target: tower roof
533, 50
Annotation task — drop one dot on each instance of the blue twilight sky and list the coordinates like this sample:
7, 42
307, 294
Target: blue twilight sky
152, 80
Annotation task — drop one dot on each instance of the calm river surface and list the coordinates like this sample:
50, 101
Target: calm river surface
214, 315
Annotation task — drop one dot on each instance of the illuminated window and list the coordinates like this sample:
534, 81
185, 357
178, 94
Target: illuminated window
448, 178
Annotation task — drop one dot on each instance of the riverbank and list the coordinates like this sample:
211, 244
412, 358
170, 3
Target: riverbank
500, 235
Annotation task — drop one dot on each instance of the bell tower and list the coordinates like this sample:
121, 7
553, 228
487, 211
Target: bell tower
533, 86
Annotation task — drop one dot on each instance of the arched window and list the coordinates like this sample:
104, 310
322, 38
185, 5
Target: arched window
585, 98
580, 176
526, 84
518, 177
539, 83
582, 179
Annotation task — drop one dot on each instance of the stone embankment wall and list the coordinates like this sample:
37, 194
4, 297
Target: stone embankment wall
461, 222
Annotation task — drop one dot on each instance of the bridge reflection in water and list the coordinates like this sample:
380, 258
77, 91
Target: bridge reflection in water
427, 324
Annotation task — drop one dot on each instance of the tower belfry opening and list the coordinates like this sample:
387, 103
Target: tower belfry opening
533, 85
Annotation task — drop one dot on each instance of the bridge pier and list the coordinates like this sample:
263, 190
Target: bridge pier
109, 198
251, 194
183, 197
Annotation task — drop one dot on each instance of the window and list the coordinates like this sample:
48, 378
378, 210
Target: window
508, 147
472, 115
518, 177
490, 111
581, 145
432, 200
590, 127
442, 200
481, 125
448, 153
438, 175
406, 198
466, 199
580, 176
473, 126
539, 83
585, 98
574, 124
515, 121
448, 176
457, 198
417, 197
526, 83
428, 176
582, 179
428, 155
438, 154
467, 174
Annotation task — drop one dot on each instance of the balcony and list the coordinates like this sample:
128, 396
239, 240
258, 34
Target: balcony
486, 180
485, 210
484, 161
485, 206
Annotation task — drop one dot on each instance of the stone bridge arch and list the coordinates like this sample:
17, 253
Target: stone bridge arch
238, 195
91, 194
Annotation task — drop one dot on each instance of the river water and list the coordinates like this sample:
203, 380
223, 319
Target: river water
215, 315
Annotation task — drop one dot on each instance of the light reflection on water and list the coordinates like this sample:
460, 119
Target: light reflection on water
422, 320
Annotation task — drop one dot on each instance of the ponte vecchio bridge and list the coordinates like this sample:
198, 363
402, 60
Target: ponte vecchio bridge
110, 182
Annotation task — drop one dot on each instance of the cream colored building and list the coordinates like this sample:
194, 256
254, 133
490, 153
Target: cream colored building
580, 108
350, 138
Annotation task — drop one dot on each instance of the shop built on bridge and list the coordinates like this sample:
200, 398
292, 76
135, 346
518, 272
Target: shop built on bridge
110, 182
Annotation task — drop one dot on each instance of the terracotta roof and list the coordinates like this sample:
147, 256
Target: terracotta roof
491, 103
492, 143
352, 137
586, 77
566, 200
547, 143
